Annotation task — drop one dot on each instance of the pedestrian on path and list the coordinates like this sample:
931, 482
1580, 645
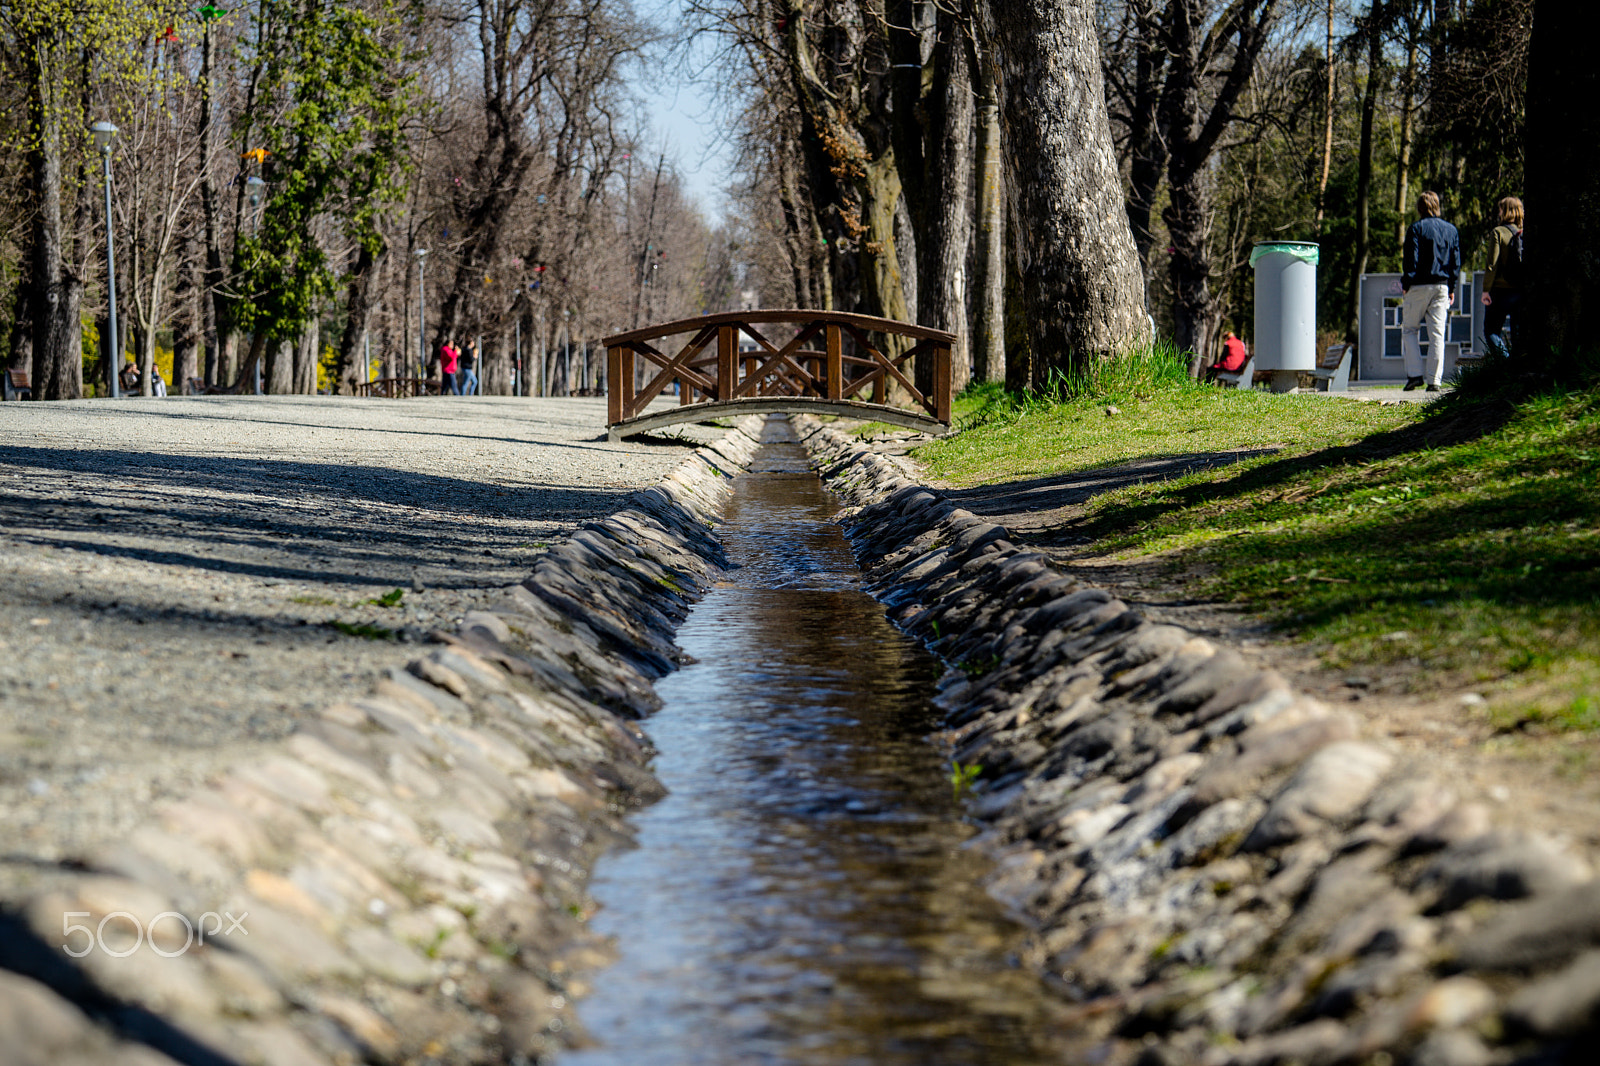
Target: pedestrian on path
469, 369
448, 359
1502, 283
1432, 271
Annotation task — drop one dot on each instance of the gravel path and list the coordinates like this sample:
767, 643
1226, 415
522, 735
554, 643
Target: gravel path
174, 574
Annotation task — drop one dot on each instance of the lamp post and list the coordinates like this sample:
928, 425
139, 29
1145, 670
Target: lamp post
255, 185
422, 320
104, 133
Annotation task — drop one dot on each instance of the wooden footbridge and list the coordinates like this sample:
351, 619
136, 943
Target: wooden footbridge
750, 362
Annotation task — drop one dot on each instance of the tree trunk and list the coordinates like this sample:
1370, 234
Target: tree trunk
1147, 148
1082, 287
1186, 216
1407, 109
357, 306
307, 354
1020, 376
58, 292
1562, 321
1327, 128
941, 293
220, 343
21, 353
989, 260
1369, 110
277, 377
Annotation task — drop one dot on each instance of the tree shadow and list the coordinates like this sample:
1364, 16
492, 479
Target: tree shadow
362, 518
1456, 423
23, 953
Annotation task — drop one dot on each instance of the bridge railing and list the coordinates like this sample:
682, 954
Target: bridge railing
827, 357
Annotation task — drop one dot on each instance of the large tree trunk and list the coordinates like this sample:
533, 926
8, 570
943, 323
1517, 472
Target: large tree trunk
277, 378
1562, 319
989, 260
1147, 149
1186, 215
941, 292
1082, 286
306, 355
57, 291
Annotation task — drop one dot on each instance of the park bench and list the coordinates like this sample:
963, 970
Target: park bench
1244, 379
1332, 373
17, 386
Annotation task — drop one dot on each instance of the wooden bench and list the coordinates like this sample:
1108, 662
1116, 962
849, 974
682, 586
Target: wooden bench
1332, 373
1244, 379
16, 386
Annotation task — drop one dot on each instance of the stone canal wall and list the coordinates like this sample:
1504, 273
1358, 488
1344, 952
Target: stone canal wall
404, 879
1218, 869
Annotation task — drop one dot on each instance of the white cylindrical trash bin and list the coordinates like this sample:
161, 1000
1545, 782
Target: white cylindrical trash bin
1286, 309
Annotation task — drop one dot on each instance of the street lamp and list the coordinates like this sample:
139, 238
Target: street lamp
104, 133
422, 319
254, 187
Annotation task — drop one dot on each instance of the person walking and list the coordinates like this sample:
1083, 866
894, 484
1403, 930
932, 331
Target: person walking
1502, 283
469, 369
1432, 271
449, 357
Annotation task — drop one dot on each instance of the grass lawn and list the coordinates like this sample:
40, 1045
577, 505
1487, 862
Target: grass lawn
1460, 540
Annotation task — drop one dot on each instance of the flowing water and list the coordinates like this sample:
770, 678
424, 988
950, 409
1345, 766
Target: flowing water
802, 895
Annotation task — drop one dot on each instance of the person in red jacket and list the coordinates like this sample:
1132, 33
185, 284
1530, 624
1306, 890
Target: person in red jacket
449, 357
1234, 357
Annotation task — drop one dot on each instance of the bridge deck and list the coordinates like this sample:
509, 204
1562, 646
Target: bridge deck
703, 412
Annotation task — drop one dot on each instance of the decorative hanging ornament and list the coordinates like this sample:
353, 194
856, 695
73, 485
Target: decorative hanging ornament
211, 11
257, 156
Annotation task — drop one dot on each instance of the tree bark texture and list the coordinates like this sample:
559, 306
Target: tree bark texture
941, 290
57, 290
277, 377
989, 258
1562, 141
1082, 288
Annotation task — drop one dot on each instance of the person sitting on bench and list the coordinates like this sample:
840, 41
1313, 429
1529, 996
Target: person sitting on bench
1234, 357
129, 376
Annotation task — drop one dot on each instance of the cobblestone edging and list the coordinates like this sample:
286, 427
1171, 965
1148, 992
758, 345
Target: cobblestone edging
403, 880
1219, 869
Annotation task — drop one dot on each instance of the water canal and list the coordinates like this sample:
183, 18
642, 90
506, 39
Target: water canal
802, 895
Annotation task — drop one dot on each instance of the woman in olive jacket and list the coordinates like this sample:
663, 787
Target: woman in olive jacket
1502, 283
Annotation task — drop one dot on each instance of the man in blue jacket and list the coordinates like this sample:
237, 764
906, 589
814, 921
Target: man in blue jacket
1432, 269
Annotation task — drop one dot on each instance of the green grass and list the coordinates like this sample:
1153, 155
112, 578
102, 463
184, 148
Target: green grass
363, 630
1004, 440
1458, 544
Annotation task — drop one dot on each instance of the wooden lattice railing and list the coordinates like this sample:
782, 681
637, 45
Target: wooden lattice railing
790, 360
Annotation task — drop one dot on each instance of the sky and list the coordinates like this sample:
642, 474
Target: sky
684, 116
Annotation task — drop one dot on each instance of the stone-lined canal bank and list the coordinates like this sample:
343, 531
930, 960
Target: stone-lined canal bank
1217, 869
402, 879
803, 894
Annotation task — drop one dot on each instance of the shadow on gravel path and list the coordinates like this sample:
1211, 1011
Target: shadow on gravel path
24, 954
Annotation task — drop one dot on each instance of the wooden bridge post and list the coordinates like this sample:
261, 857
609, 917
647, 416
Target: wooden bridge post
615, 410
835, 363
941, 383
727, 361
